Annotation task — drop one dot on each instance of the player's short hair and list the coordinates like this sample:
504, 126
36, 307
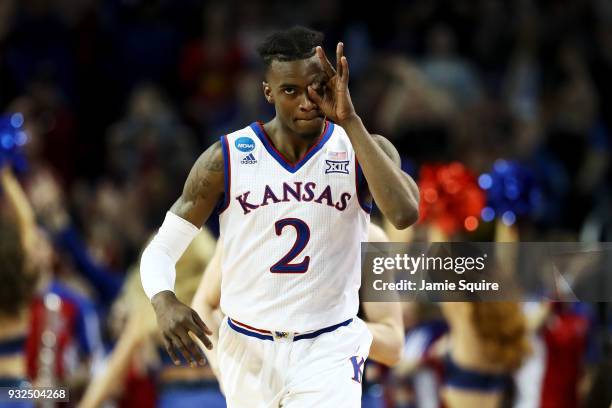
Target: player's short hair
293, 44
16, 284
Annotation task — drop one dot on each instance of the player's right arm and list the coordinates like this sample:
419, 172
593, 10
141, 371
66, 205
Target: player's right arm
201, 193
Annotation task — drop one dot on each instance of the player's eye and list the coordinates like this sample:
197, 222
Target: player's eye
289, 91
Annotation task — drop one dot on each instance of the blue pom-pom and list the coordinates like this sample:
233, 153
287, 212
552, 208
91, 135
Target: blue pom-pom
12, 139
512, 191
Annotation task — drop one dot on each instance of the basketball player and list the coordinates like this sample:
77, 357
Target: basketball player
294, 207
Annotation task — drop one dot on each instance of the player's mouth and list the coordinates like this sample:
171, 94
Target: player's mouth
309, 118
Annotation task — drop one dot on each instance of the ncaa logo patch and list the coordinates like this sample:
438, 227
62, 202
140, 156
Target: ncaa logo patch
334, 166
245, 144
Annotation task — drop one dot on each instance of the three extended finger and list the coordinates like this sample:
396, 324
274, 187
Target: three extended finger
327, 66
339, 52
345, 69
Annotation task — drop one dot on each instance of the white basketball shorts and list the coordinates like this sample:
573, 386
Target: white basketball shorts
322, 368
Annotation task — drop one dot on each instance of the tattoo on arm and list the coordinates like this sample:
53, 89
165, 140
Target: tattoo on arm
203, 188
198, 188
214, 159
211, 161
208, 167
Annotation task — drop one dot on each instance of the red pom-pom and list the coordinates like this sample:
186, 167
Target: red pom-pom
450, 197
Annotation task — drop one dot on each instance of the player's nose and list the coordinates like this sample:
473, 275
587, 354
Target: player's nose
306, 104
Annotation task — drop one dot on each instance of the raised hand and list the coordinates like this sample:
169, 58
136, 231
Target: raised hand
176, 320
48, 201
333, 97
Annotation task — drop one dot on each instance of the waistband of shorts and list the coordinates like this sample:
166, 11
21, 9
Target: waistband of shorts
271, 335
189, 385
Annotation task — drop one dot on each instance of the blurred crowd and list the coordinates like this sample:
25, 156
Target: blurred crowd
119, 97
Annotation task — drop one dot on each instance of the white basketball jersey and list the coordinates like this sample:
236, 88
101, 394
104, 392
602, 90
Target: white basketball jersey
291, 233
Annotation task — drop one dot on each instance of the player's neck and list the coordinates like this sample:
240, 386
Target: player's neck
291, 145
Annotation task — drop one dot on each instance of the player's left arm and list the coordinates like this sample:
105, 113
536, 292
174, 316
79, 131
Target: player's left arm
384, 319
394, 192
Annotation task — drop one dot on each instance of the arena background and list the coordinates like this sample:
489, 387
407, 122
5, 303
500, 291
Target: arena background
118, 98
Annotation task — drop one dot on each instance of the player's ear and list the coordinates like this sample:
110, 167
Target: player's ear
267, 92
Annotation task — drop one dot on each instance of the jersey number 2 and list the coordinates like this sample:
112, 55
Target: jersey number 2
284, 265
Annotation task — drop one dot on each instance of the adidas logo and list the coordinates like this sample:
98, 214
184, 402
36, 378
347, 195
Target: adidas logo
249, 159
